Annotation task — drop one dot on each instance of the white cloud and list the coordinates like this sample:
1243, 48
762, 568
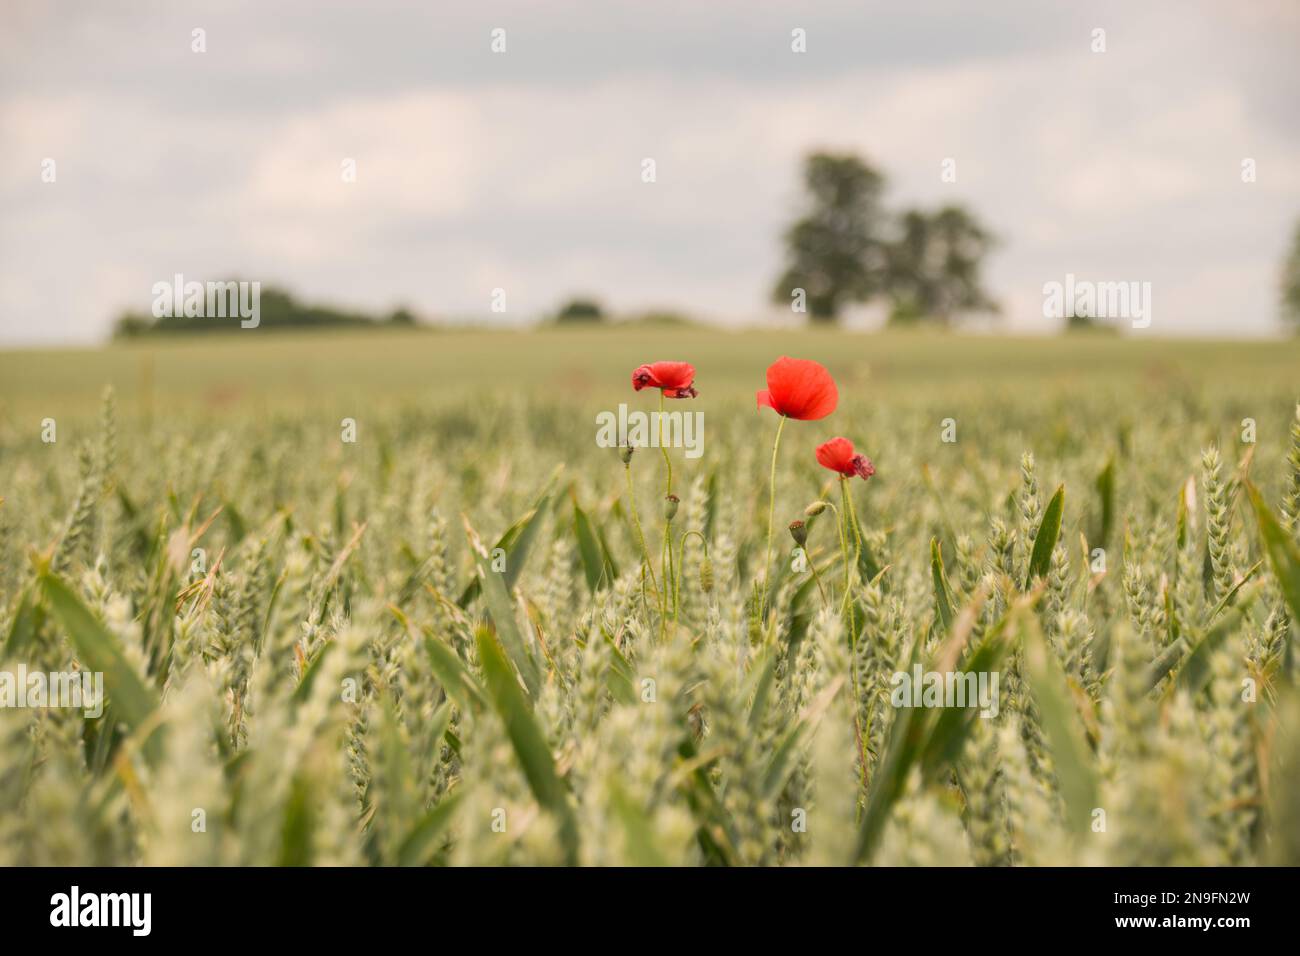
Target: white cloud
524, 173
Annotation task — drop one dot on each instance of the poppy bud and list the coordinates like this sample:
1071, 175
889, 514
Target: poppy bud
626, 453
670, 507
706, 575
816, 508
799, 531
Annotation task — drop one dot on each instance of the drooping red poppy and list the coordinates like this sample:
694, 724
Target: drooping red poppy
838, 455
799, 388
674, 379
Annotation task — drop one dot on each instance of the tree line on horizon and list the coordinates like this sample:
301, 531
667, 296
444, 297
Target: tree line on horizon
279, 309
846, 248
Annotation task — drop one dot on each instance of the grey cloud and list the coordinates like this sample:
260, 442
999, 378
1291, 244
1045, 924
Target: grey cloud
476, 167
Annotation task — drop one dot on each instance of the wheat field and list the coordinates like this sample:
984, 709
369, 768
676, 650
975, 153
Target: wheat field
384, 600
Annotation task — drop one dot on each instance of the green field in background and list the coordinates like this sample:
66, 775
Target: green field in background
1073, 510
288, 369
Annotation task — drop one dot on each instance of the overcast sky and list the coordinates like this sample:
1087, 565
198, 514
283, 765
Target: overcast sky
522, 170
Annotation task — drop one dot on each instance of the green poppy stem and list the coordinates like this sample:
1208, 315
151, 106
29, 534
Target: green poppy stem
816, 577
844, 550
666, 563
851, 515
640, 535
771, 518
668, 462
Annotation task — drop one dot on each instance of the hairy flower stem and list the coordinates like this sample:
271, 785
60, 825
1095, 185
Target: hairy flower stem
851, 518
771, 519
857, 528
844, 551
640, 535
668, 462
851, 515
666, 551
812, 565
846, 517
672, 587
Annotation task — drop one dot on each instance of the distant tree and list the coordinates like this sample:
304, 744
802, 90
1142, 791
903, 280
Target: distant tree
933, 265
579, 311
1291, 283
835, 251
131, 324
403, 317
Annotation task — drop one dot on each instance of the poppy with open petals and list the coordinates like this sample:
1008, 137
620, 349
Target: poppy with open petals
674, 379
838, 455
799, 388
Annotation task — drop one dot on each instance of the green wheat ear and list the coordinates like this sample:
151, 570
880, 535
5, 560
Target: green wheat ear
402, 697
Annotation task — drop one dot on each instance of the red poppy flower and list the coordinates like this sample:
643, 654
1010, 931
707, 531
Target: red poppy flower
799, 388
674, 379
838, 455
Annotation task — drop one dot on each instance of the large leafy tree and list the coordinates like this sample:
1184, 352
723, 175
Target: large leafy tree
1291, 283
933, 265
848, 248
835, 251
